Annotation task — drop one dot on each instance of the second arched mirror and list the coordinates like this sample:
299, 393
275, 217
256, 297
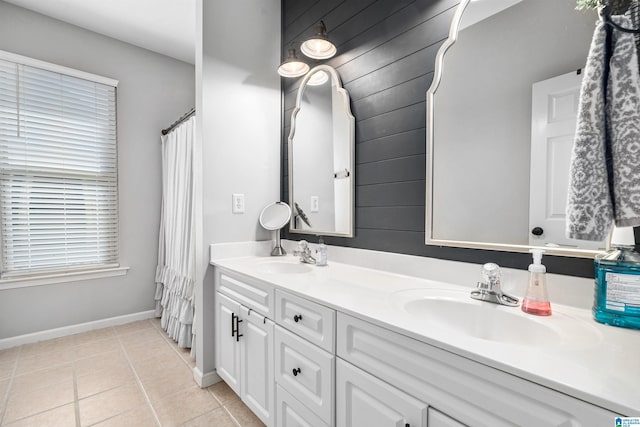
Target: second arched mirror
501, 115
321, 156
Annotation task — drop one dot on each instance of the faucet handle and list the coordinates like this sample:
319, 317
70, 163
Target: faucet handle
490, 277
303, 244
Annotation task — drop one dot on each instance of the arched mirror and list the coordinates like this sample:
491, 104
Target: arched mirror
321, 156
501, 116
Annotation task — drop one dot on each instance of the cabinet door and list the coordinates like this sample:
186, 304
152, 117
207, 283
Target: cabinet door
256, 355
227, 349
363, 400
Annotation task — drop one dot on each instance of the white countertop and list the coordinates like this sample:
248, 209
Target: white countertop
596, 363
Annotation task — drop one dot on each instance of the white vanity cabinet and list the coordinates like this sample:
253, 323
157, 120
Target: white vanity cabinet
457, 390
436, 418
245, 346
305, 361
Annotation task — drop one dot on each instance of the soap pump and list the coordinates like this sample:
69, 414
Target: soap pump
321, 253
536, 301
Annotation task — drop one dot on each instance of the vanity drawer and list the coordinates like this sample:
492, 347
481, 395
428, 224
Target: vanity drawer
467, 391
307, 372
292, 413
438, 419
253, 294
308, 319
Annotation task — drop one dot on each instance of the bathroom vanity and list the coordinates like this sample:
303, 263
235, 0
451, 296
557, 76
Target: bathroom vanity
349, 346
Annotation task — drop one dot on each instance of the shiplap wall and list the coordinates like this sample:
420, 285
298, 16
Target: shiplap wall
386, 57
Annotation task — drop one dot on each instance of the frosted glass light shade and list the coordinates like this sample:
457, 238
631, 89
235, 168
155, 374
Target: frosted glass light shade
318, 47
292, 66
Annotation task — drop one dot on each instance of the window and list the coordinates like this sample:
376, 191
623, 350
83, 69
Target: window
58, 169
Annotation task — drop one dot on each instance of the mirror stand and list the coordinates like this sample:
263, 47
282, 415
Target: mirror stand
273, 217
278, 250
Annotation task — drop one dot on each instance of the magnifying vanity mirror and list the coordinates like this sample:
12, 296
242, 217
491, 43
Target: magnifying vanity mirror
501, 116
273, 217
321, 156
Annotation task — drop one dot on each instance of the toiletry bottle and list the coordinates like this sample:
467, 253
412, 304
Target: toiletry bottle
617, 284
321, 253
536, 301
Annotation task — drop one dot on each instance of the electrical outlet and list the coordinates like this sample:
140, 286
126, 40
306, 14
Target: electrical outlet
315, 204
237, 203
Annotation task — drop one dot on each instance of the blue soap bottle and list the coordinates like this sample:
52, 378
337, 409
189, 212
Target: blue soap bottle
617, 282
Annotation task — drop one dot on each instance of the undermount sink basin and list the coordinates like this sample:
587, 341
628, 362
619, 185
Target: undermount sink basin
453, 311
277, 266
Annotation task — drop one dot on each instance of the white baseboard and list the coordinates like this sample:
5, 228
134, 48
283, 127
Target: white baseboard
74, 329
205, 380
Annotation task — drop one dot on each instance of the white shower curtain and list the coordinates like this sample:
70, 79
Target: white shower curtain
175, 274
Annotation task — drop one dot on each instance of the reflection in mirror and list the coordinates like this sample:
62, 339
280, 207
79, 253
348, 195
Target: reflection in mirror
321, 156
501, 116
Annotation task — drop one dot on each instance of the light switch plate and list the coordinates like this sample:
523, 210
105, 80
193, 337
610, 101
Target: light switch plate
315, 204
237, 203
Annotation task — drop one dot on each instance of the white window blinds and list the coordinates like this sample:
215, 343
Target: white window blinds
58, 172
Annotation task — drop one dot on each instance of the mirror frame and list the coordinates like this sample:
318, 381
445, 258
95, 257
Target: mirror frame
429, 240
352, 124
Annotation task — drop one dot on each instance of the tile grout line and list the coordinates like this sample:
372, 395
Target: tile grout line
224, 408
232, 417
172, 344
10, 386
168, 339
76, 400
138, 381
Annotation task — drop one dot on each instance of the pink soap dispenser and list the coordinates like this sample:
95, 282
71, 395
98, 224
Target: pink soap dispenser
536, 301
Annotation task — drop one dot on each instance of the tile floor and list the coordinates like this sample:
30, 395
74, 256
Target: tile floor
128, 375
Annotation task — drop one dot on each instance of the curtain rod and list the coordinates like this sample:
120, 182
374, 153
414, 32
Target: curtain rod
180, 120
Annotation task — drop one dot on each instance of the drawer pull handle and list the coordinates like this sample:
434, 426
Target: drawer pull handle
296, 371
233, 324
297, 318
238, 334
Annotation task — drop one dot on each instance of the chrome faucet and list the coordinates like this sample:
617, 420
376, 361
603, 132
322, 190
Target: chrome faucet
489, 288
304, 252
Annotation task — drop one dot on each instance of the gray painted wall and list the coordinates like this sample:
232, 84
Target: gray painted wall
154, 91
386, 57
238, 102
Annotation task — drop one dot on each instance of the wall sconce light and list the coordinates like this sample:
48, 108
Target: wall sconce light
292, 66
319, 46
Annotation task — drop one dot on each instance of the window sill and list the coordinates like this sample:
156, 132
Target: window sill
51, 279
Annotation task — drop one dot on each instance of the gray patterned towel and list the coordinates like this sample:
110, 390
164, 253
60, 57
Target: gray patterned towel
591, 208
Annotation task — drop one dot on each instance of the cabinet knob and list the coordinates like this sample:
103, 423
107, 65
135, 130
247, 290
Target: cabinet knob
297, 318
296, 371
407, 425
537, 231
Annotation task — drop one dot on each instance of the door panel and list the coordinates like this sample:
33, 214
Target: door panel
256, 354
227, 350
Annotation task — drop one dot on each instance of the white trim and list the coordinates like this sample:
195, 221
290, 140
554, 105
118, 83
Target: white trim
205, 380
74, 329
25, 60
50, 279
